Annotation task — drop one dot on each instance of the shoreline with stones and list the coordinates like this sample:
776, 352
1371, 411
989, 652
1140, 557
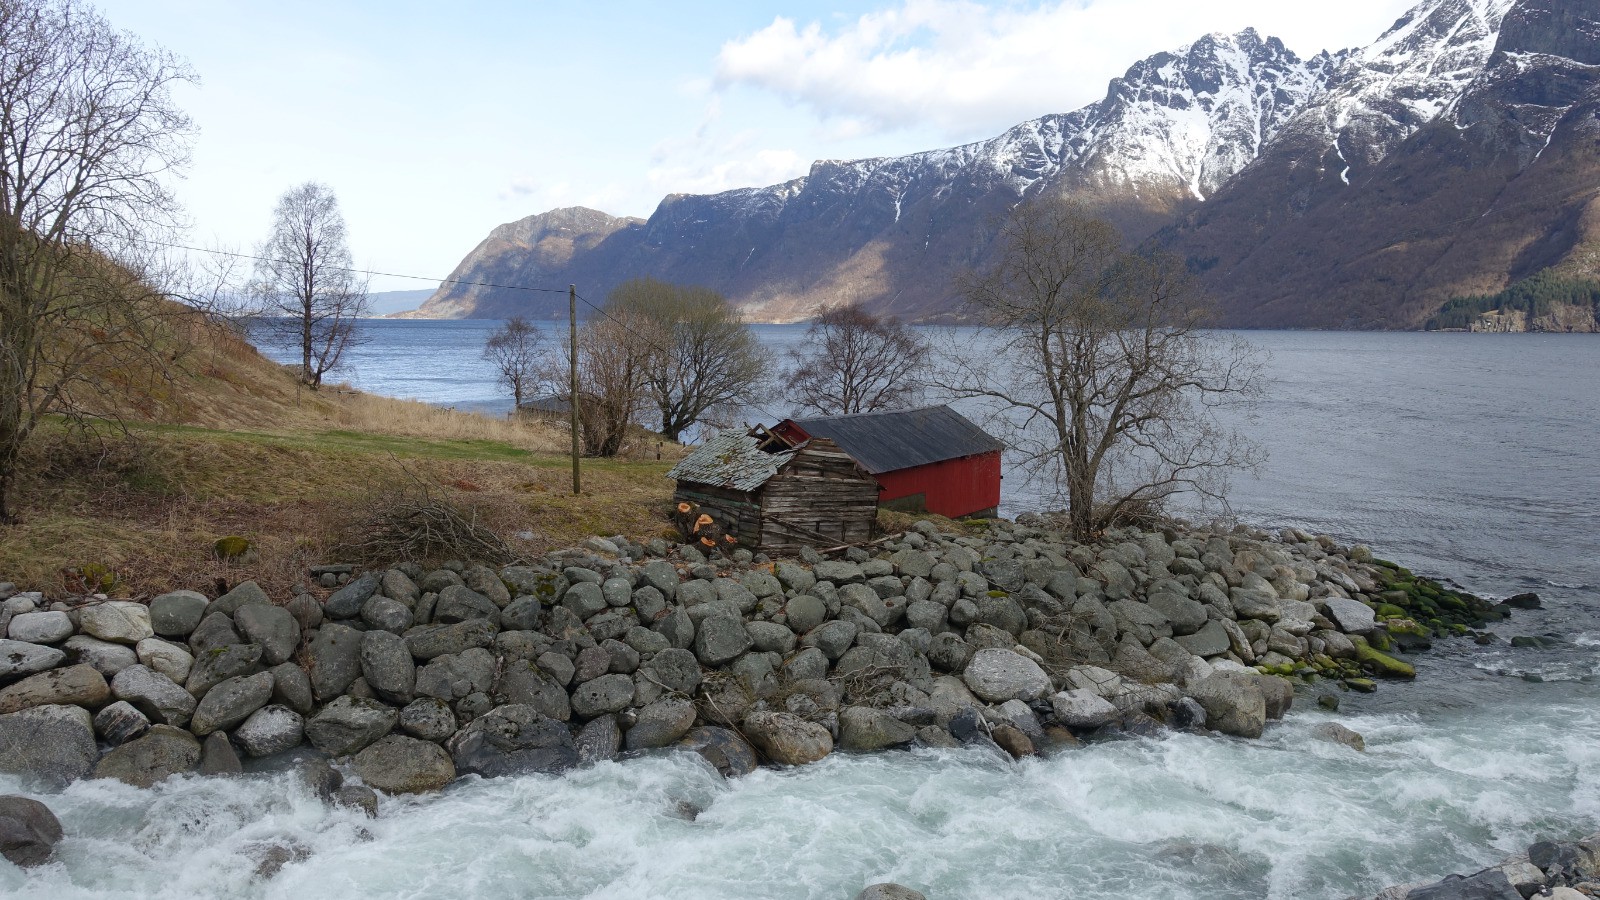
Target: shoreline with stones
1001, 635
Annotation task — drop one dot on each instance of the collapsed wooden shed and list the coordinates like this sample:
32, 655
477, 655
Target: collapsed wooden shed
765, 493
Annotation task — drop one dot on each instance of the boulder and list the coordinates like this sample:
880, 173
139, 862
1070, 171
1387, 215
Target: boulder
1278, 694
888, 890
722, 748
270, 730
1211, 640
1233, 702
429, 641
346, 602
387, 666
163, 752
720, 640
1080, 708
270, 626
1186, 616
1490, 884
212, 667
399, 586
231, 702
513, 740
116, 621
428, 718
675, 670
599, 740
24, 658
291, 687
528, 684
29, 831
107, 658
606, 694
522, 614
79, 685
120, 723
787, 739
661, 723
832, 638
769, 637
1338, 734
864, 729
348, 724
169, 659
50, 745
333, 660
459, 603
40, 627
217, 756
157, 696
404, 765
1001, 675
178, 613
215, 630
454, 676
245, 594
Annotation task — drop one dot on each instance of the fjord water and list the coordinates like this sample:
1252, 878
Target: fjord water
1471, 457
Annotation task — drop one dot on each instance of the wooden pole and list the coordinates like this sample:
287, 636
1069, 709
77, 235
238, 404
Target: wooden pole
572, 385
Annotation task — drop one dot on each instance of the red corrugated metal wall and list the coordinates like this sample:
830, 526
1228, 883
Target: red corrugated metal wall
952, 488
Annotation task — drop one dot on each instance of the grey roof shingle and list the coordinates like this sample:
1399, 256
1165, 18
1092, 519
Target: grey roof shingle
732, 459
902, 439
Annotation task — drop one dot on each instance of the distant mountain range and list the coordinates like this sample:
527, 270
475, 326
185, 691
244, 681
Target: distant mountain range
1454, 155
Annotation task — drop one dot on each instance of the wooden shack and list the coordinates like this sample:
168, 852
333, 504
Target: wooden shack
759, 491
927, 460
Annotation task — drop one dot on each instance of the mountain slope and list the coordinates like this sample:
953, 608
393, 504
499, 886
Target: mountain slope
1358, 189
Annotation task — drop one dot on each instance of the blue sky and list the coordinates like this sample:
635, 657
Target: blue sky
434, 122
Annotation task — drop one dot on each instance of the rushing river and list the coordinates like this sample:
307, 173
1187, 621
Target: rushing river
1471, 457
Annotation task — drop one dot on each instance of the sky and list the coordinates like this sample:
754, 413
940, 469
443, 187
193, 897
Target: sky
434, 122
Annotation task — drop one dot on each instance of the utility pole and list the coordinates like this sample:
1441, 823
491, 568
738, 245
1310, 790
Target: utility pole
572, 385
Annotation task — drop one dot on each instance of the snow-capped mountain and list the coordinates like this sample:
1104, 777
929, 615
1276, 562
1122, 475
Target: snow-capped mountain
1233, 129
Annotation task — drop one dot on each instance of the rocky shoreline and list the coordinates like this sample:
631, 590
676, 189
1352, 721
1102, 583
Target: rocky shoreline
1003, 635
1559, 870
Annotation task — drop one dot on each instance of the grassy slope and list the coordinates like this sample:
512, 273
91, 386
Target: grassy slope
229, 444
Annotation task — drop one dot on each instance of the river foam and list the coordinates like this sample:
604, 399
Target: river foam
1183, 816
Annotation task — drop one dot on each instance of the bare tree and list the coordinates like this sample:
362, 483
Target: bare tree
699, 356
88, 131
611, 393
305, 276
514, 350
853, 362
1110, 382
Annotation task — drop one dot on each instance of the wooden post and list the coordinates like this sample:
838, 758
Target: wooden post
572, 386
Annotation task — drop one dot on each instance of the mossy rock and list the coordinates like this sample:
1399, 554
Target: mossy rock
1405, 626
1390, 611
98, 578
1382, 664
230, 548
1379, 639
1396, 598
1362, 685
998, 594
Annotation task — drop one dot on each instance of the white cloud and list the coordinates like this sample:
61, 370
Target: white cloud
970, 69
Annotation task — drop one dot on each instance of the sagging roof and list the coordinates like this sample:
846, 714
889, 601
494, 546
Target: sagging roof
732, 459
902, 439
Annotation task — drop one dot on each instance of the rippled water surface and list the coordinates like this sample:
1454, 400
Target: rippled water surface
1471, 457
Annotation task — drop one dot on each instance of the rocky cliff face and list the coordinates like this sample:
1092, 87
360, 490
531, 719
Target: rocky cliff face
1423, 153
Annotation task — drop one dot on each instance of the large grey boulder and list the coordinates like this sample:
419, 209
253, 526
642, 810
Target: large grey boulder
231, 702
398, 586
116, 621
723, 748
404, 765
346, 602
178, 613
387, 666
291, 687
864, 729
1233, 702
527, 684
241, 596
270, 626
770, 637
79, 685
41, 627
1001, 675
661, 723
212, 667
1211, 640
832, 638
599, 740
160, 698
215, 630
1490, 884
333, 660
1186, 616
163, 752
606, 694
483, 579
428, 718
217, 756
107, 658
1352, 616
1079, 708
29, 831
348, 724
513, 740
675, 670
454, 676
25, 658
720, 640
386, 614
459, 603
52, 746
428, 641
787, 739
270, 730
120, 723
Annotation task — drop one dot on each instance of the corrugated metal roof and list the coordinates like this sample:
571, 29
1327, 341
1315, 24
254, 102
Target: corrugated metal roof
732, 459
901, 439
